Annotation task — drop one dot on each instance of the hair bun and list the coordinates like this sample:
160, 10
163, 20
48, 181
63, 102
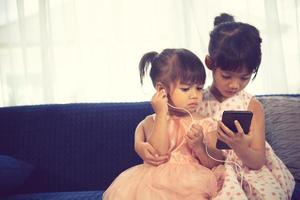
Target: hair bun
222, 18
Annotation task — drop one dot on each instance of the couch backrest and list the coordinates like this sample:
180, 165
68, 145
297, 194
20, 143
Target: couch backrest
72, 146
85, 146
282, 114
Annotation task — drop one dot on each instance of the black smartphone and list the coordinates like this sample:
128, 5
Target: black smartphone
228, 117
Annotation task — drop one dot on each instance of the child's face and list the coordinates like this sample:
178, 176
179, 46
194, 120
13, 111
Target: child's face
228, 83
186, 96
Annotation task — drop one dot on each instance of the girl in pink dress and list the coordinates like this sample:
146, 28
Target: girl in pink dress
252, 170
175, 130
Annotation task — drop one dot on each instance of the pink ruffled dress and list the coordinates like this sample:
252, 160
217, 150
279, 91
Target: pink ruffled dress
181, 178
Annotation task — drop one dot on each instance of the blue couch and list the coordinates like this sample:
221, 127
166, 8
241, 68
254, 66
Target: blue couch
74, 151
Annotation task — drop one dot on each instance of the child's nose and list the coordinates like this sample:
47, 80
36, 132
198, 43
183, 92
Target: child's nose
234, 84
194, 93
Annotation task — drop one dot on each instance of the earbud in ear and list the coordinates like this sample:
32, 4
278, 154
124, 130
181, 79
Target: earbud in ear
159, 86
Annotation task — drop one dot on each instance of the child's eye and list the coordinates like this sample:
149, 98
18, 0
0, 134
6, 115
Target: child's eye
245, 78
185, 89
199, 88
225, 76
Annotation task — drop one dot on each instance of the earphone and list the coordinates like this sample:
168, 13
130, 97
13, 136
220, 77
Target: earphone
237, 166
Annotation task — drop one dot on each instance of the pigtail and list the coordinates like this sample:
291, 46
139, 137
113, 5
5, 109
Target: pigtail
147, 59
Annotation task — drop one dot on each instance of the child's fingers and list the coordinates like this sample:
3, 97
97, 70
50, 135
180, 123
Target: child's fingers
152, 162
190, 141
192, 135
159, 95
159, 159
156, 159
240, 131
225, 129
150, 149
195, 131
164, 93
156, 163
150, 153
196, 127
222, 135
153, 154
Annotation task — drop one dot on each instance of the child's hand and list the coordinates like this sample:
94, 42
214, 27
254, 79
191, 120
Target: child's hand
150, 155
195, 136
159, 102
234, 140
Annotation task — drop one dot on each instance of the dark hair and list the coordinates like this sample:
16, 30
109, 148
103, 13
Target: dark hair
222, 18
234, 45
173, 65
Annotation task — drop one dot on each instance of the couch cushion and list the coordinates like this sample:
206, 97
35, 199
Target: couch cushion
13, 173
82, 195
68, 144
283, 129
296, 194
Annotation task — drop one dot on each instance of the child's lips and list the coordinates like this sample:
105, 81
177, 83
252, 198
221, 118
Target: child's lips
193, 104
231, 92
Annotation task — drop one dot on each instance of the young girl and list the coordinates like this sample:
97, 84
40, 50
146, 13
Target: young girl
175, 129
234, 55
252, 170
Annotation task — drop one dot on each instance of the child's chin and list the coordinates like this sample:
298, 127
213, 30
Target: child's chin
191, 110
229, 94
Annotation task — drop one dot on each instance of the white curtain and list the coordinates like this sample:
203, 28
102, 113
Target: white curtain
67, 51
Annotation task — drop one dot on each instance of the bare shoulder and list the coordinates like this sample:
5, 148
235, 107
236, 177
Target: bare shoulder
257, 124
256, 107
258, 120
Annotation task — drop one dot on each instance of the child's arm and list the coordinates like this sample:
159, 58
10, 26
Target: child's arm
205, 159
249, 148
159, 138
145, 150
195, 142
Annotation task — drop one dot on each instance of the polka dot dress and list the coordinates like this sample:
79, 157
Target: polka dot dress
272, 181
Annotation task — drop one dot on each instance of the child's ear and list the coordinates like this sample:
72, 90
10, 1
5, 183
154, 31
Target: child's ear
159, 86
209, 62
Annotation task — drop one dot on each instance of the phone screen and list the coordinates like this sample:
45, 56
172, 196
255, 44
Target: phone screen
228, 118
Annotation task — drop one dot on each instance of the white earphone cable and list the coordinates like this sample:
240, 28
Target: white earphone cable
238, 168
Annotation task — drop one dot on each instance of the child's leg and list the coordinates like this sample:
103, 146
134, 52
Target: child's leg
261, 184
231, 188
